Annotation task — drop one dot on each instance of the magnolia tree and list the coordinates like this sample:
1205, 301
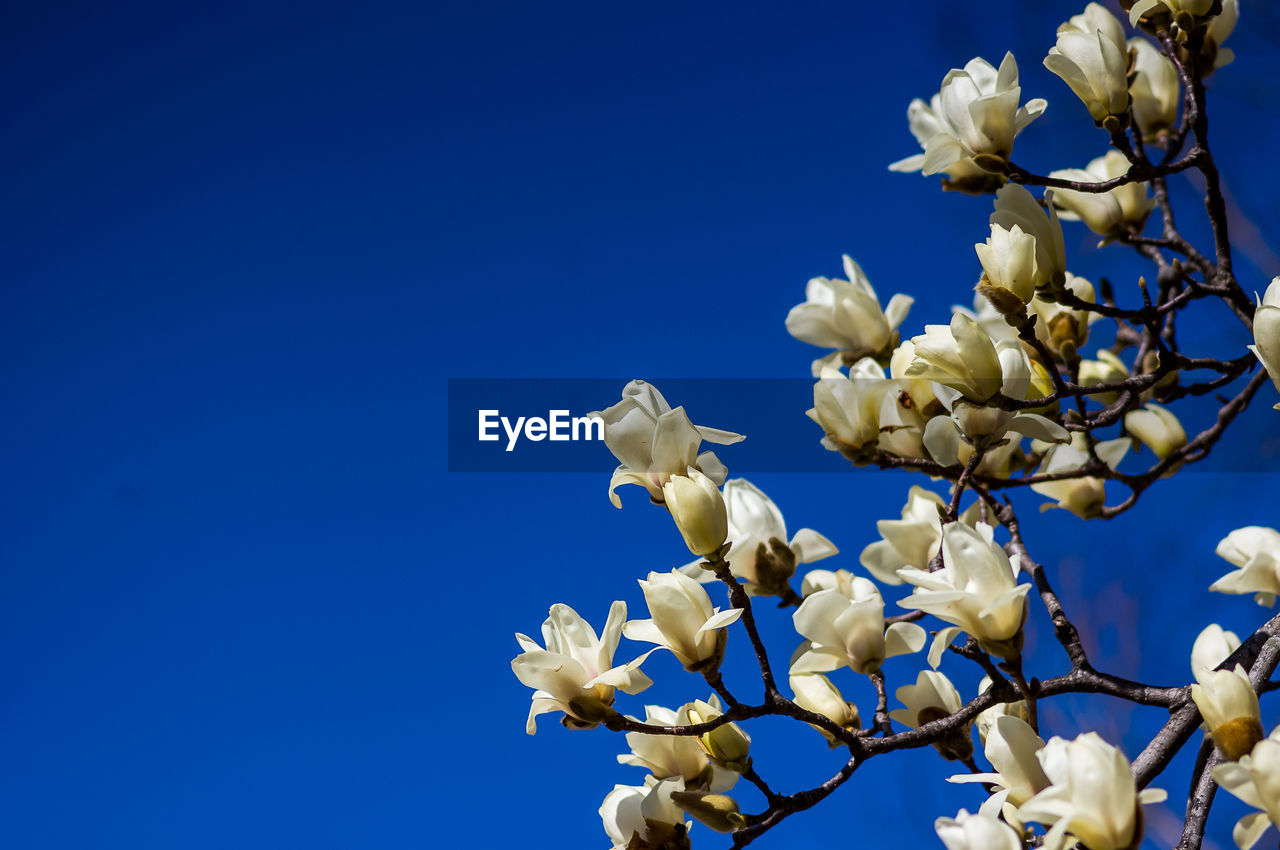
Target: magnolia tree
999, 400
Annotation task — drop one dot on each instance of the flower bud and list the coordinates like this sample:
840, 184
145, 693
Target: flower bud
715, 811
698, 510
727, 744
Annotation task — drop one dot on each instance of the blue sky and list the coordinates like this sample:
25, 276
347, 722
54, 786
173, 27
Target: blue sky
247, 244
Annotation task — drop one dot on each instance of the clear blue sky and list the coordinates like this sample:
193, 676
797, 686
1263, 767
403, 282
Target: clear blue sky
245, 245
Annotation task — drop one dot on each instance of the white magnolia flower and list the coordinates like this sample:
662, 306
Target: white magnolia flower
976, 832
698, 509
1064, 329
727, 744
652, 441
645, 816
1211, 648
1229, 705
848, 407
1017, 206
960, 356
975, 114
977, 589
1157, 428
1266, 332
846, 315
814, 692
912, 541
842, 616
681, 756
1093, 798
1012, 747
761, 553
1008, 260
575, 672
1091, 57
1255, 551
1107, 369
931, 698
683, 620
1255, 779
1084, 496
1103, 212
966, 364
1155, 92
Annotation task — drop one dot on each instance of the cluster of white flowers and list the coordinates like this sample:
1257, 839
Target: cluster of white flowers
976, 400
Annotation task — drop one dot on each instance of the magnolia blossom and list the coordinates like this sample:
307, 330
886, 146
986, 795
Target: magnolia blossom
728, 745
653, 442
1255, 551
814, 692
960, 356
1017, 206
1093, 798
683, 621
1266, 332
1084, 496
1155, 92
977, 589
1013, 748
1064, 329
575, 672
1229, 705
1104, 212
971, 369
1157, 428
645, 816
1008, 260
845, 314
680, 756
912, 541
1092, 58
698, 509
848, 407
842, 616
761, 554
1107, 369
1255, 779
931, 698
976, 832
968, 127
1211, 648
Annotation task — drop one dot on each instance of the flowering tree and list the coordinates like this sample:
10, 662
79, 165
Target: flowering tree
1048, 384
